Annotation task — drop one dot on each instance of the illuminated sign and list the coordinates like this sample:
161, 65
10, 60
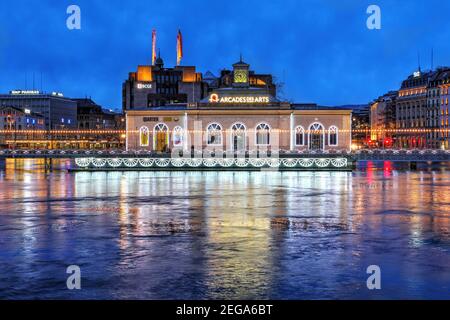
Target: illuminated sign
27, 111
214, 98
144, 86
24, 92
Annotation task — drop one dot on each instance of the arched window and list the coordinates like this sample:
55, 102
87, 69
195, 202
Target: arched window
238, 136
316, 136
299, 136
263, 134
214, 134
177, 136
160, 137
144, 137
333, 136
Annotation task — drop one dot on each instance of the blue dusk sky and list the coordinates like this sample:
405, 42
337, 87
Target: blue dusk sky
321, 49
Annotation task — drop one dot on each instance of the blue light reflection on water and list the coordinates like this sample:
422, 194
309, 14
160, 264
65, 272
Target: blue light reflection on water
224, 235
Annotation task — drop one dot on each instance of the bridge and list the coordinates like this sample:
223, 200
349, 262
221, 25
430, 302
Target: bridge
283, 160
404, 155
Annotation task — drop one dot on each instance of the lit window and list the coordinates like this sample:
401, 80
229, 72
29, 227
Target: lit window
144, 136
177, 136
333, 136
299, 136
262, 134
238, 136
214, 134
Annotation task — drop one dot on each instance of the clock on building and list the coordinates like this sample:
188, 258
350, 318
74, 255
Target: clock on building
240, 76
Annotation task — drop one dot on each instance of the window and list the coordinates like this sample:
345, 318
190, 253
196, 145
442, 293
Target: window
333, 136
238, 136
177, 136
316, 136
214, 134
263, 134
299, 136
160, 137
143, 136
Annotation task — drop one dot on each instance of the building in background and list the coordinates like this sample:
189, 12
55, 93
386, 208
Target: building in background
383, 120
239, 118
59, 112
157, 86
360, 125
90, 115
412, 111
438, 105
20, 123
420, 111
13, 118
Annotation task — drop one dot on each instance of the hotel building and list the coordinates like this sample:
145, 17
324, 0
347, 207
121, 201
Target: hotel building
420, 109
241, 116
438, 100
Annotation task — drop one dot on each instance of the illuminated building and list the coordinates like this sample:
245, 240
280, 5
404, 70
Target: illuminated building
438, 101
239, 117
383, 119
59, 112
12, 118
152, 86
228, 77
413, 113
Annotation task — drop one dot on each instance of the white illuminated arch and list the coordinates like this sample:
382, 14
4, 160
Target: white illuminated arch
238, 129
144, 136
299, 135
160, 127
214, 135
313, 128
177, 136
262, 134
333, 130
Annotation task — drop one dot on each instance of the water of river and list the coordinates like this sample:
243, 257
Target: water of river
224, 235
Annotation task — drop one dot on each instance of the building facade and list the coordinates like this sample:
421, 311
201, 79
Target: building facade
12, 118
420, 110
152, 86
90, 115
413, 114
438, 101
17, 125
383, 120
239, 118
227, 79
59, 112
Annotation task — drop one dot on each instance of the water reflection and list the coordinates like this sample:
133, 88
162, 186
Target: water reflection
222, 234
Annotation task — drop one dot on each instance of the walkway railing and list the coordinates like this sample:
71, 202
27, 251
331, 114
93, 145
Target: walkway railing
359, 155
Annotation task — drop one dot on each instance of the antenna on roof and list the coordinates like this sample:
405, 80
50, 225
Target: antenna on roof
432, 59
418, 59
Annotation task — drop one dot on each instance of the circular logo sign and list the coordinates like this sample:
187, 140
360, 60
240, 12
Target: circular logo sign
214, 98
